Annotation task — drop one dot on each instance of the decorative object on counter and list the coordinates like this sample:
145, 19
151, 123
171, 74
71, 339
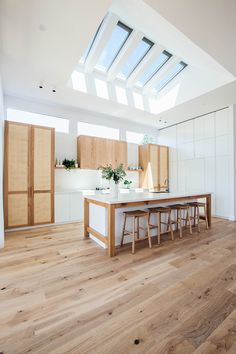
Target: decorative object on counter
76, 164
147, 139
114, 176
134, 168
127, 183
68, 164
58, 163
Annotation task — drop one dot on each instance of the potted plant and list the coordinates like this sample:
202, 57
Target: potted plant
127, 183
69, 164
114, 176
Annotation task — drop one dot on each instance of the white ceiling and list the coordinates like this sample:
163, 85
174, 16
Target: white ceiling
43, 41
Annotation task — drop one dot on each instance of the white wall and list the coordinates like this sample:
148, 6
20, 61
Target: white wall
1, 166
202, 158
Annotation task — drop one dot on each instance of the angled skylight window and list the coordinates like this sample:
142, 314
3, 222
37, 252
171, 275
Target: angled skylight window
117, 39
87, 50
154, 68
170, 75
135, 58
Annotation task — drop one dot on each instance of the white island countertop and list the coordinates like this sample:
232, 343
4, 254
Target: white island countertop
141, 197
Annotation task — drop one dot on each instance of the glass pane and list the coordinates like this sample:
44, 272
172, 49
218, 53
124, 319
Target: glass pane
135, 58
87, 50
61, 125
115, 43
100, 131
170, 75
154, 68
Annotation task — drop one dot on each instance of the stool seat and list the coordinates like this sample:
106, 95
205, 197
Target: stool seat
179, 206
159, 210
136, 213
200, 204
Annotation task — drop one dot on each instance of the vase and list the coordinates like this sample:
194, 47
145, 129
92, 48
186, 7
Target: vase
114, 188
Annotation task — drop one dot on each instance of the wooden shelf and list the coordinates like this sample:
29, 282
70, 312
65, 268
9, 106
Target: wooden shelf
140, 170
63, 168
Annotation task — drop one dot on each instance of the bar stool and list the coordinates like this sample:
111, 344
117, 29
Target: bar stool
159, 211
182, 209
196, 215
135, 215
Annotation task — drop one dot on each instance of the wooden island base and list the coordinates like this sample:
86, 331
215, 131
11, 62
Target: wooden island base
127, 201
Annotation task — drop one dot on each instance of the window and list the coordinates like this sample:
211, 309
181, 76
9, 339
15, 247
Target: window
61, 125
100, 131
135, 58
117, 39
133, 137
87, 51
170, 76
154, 68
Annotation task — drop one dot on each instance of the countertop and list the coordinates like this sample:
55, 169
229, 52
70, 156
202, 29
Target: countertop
142, 197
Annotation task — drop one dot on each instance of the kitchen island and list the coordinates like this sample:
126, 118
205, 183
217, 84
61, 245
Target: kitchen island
103, 214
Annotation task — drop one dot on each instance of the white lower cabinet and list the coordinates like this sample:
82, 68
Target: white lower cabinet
68, 207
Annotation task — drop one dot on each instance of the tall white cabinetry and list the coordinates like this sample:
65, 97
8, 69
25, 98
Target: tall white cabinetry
201, 158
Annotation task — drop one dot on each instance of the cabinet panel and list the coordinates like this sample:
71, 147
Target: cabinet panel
94, 152
17, 210
42, 145
163, 167
153, 167
154, 160
42, 208
18, 157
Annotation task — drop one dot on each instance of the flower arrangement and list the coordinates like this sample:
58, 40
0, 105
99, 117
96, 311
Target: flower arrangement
117, 174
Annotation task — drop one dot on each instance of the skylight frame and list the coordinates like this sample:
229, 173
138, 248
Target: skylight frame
90, 45
181, 63
129, 30
147, 41
168, 56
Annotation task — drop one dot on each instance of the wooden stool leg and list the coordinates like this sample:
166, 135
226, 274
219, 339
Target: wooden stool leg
133, 235
186, 219
148, 232
194, 215
137, 227
206, 219
170, 225
158, 228
123, 232
179, 220
198, 219
189, 220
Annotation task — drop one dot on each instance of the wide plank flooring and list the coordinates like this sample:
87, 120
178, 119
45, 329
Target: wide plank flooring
60, 293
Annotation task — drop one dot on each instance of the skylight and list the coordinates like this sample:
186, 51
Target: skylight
87, 50
117, 39
170, 75
154, 68
135, 58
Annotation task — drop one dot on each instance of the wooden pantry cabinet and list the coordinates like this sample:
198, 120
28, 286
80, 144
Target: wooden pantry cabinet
154, 160
94, 152
28, 175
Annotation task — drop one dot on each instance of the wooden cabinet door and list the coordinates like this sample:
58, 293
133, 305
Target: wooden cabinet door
153, 168
42, 175
16, 175
120, 153
164, 167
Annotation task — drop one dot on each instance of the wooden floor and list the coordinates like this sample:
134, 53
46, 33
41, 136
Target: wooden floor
60, 293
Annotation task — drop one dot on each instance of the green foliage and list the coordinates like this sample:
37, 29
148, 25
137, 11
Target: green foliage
147, 139
127, 183
117, 174
69, 164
